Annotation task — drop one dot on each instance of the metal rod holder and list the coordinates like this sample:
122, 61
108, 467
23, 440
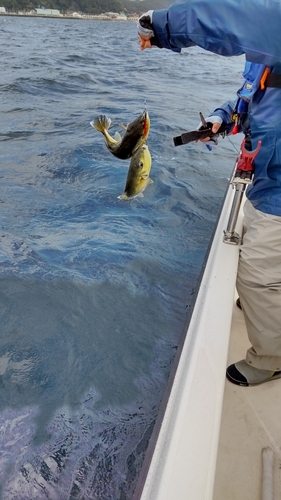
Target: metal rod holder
242, 177
230, 235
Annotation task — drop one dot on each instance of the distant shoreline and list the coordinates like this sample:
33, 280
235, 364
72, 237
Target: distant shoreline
85, 17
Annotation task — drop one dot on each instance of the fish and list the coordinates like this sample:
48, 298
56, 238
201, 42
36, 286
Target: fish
138, 174
135, 136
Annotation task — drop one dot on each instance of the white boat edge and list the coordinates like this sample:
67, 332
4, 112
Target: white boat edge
183, 462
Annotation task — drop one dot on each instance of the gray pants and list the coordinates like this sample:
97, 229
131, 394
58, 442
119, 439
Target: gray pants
259, 286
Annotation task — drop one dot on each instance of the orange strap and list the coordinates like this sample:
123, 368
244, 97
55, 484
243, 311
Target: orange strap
264, 77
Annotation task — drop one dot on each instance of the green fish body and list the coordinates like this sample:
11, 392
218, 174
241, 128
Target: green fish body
138, 174
135, 136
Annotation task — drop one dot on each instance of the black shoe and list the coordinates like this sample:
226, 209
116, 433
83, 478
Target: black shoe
246, 375
238, 303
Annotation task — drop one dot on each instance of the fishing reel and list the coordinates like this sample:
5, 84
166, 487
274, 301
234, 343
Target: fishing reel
201, 133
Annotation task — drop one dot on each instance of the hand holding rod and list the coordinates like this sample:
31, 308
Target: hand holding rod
201, 133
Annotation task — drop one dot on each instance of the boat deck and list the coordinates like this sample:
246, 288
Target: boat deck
251, 420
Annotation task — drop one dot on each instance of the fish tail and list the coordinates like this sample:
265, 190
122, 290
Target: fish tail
101, 123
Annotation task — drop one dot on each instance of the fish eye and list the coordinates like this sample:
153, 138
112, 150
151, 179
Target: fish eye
140, 164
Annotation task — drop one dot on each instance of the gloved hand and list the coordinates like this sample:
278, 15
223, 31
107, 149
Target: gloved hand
215, 120
146, 31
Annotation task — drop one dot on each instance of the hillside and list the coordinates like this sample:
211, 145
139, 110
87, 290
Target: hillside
87, 6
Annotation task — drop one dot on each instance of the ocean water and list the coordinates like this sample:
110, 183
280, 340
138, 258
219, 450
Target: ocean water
94, 290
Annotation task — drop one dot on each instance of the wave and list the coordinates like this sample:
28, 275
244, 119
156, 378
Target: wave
95, 290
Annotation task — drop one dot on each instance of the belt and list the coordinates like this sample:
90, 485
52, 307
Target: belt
273, 80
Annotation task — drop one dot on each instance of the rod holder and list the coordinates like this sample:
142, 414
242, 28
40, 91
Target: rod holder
242, 177
230, 235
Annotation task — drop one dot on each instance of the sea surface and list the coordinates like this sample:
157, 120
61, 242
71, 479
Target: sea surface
94, 290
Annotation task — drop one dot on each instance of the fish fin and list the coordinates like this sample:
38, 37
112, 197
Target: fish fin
150, 181
123, 196
101, 123
117, 137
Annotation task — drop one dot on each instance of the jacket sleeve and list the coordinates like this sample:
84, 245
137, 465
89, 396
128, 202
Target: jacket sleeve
225, 27
225, 113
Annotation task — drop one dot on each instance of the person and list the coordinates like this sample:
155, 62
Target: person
232, 28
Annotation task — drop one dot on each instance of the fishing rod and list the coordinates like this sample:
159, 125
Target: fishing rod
200, 133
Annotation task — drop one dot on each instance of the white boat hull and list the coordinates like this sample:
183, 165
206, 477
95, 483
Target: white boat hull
184, 459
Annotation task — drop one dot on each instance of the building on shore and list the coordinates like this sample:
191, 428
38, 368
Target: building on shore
2, 10
115, 15
47, 12
122, 17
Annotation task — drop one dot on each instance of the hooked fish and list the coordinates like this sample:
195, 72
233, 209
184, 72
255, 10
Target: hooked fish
135, 136
138, 174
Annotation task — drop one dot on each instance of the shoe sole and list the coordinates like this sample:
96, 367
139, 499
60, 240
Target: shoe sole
247, 384
238, 303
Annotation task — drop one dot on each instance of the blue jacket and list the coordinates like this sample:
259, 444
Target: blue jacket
229, 28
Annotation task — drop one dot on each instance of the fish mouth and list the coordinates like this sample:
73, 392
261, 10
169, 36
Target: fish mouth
146, 125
